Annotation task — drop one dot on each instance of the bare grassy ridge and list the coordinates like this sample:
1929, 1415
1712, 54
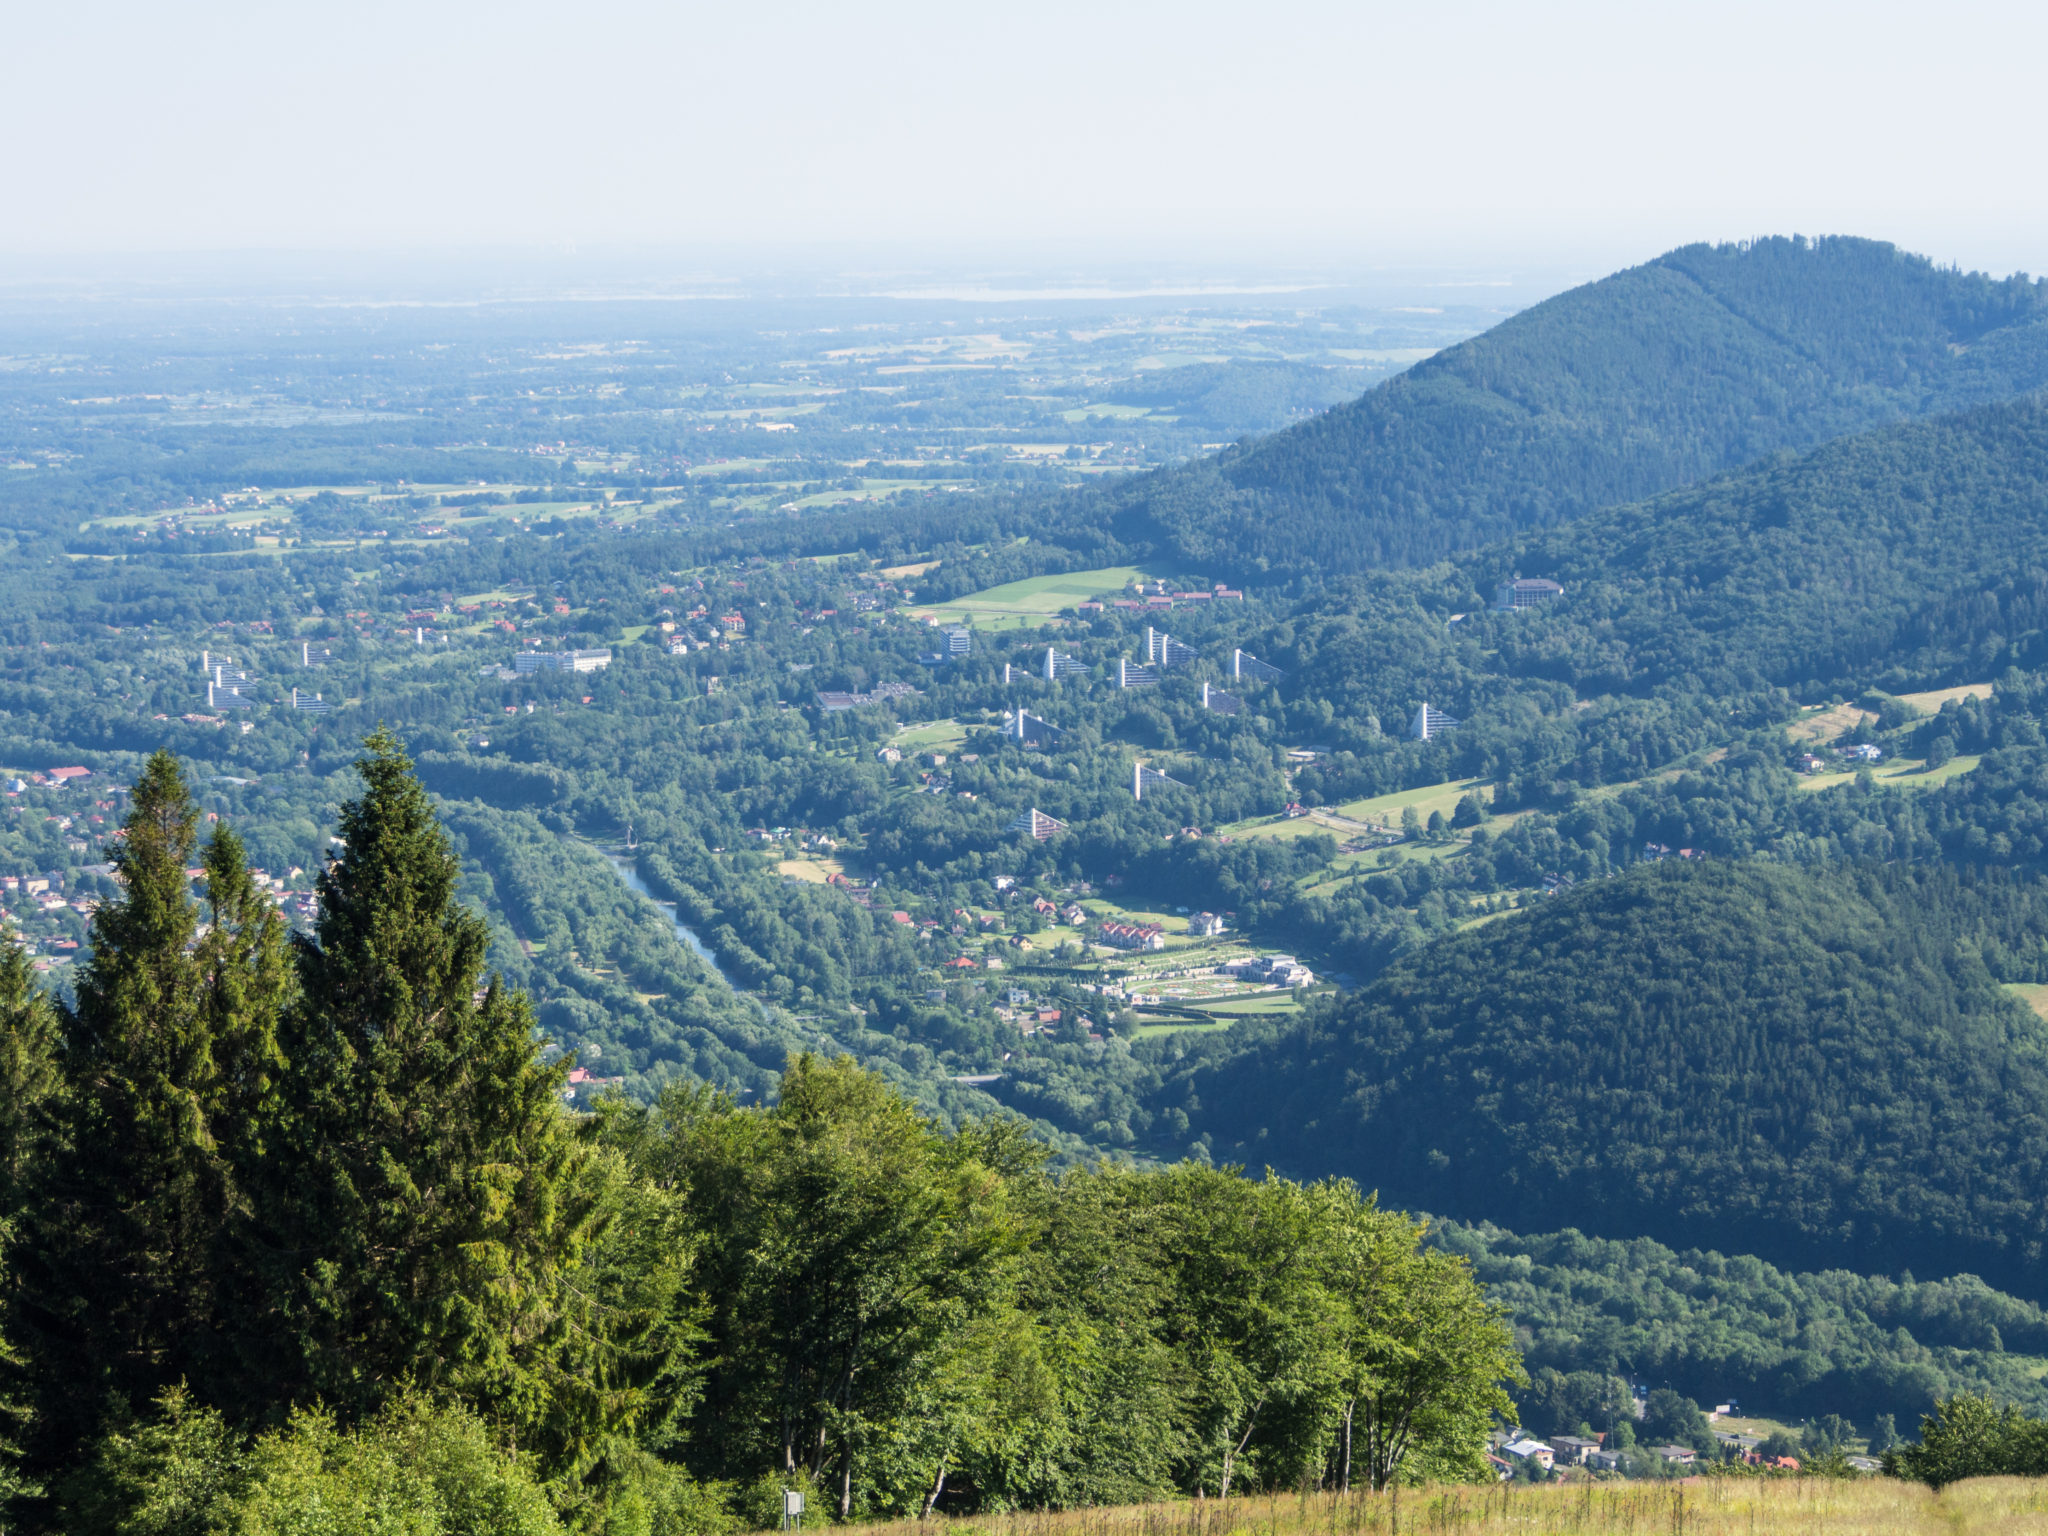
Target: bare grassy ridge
1875, 1506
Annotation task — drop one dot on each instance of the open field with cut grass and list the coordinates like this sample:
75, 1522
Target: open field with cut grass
1899, 773
933, 736
809, 870
1179, 1027
1931, 701
1240, 1007
1720, 1506
1035, 597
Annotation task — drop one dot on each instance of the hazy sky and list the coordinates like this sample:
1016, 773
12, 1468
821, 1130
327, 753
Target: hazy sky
1364, 131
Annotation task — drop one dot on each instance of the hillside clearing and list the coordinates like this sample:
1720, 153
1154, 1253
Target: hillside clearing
1931, 701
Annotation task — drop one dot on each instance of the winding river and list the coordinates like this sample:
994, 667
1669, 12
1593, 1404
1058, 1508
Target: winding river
623, 868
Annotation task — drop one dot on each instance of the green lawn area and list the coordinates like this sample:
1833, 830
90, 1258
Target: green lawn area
933, 736
1899, 773
1237, 1008
1179, 1027
1035, 597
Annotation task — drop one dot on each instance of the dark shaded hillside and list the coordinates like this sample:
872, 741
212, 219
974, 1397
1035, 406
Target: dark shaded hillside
1901, 557
1811, 1067
1660, 376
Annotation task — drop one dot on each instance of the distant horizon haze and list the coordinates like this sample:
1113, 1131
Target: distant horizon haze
1573, 138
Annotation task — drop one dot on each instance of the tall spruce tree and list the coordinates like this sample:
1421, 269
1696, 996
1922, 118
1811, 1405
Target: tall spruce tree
115, 1273
28, 1075
429, 1197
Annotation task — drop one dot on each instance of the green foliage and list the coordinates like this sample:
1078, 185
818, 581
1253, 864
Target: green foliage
893, 1308
414, 1469
29, 1075
1671, 1418
119, 1271
1707, 358
1715, 1325
1807, 1065
1973, 1437
428, 1194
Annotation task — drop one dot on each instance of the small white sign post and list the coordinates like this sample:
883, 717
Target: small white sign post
792, 1509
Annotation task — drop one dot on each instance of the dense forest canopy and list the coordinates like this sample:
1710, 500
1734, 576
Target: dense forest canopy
1815, 1068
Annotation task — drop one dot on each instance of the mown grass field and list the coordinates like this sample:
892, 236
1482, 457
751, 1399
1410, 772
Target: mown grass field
1034, 598
932, 736
1899, 773
1729, 1506
1931, 701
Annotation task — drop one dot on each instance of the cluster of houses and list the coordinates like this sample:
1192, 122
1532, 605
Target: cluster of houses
1861, 752
1138, 936
1578, 1451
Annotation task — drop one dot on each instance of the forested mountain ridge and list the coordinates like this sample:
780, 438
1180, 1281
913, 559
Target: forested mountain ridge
1812, 1066
1906, 556
1700, 361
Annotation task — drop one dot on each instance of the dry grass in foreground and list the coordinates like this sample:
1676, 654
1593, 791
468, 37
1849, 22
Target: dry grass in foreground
2008, 1506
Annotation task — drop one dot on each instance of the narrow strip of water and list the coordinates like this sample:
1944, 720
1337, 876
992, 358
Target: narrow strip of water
625, 870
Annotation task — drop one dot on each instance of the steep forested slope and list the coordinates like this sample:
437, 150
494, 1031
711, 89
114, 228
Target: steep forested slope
1812, 1067
1903, 557
1705, 359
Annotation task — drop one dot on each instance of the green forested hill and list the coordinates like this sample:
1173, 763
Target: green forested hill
1904, 556
1705, 359
1810, 1066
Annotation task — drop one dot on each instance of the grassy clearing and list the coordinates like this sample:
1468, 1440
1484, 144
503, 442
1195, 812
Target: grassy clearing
1037, 597
1931, 701
1899, 773
1873, 1506
810, 871
1380, 810
933, 736
2033, 993
1828, 724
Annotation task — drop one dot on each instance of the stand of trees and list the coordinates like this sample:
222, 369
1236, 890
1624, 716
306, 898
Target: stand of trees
1813, 1065
299, 1224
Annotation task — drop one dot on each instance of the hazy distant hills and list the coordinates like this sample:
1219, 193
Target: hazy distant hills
1807, 1066
1661, 376
1906, 557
